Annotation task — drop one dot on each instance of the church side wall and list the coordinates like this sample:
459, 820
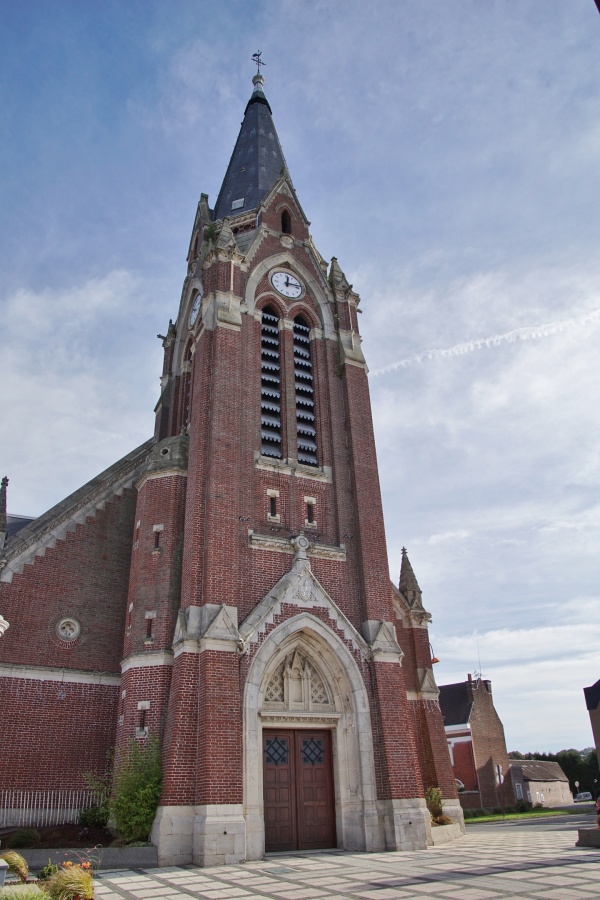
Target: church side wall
62, 695
84, 576
54, 732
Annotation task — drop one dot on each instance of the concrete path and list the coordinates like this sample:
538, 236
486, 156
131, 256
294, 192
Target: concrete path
489, 863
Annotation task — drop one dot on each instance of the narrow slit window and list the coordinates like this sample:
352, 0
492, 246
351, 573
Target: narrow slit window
286, 222
149, 623
270, 390
310, 513
142, 722
273, 507
305, 399
156, 540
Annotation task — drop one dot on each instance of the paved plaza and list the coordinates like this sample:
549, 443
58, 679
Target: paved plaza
492, 861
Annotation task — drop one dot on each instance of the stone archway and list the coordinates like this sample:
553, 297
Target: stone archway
303, 676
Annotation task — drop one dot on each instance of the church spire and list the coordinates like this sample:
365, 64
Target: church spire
256, 161
409, 586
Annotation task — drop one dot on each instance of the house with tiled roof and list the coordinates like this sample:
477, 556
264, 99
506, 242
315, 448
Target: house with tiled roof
540, 782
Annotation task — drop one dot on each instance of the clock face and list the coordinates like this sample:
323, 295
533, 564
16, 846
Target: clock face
195, 310
286, 284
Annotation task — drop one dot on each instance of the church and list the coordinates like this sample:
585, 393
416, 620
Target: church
225, 586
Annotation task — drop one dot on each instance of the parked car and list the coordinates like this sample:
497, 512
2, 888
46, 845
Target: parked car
585, 797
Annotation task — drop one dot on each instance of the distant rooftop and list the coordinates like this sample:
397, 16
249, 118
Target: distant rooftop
592, 695
15, 523
456, 703
539, 770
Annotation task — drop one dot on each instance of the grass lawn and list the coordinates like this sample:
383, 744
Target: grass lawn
531, 814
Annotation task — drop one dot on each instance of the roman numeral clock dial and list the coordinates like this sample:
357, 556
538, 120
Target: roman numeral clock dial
286, 284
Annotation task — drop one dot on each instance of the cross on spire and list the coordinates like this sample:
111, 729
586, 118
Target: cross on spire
256, 58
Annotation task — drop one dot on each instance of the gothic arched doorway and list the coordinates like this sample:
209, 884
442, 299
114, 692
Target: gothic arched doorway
305, 688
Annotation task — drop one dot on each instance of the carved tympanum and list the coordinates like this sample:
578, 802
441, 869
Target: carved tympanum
297, 685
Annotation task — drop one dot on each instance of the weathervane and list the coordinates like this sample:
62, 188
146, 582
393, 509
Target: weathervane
256, 58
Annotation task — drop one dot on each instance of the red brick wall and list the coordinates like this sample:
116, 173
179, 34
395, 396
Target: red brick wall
464, 765
54, 732
58, 730
489, 747
85, 575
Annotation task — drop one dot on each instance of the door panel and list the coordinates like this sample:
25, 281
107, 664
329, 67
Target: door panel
298, 790
280, 807
316, 812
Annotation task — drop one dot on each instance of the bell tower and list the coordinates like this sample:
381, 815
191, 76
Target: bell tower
289, 680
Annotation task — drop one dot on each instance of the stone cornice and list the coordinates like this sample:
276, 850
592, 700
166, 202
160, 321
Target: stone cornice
66, 676
147, 660
294, 468
53, 526
300, 718
277, 544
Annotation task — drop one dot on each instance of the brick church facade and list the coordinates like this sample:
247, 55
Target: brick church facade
225, 586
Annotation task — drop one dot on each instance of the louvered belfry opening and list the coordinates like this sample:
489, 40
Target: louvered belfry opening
270, 391
305, 399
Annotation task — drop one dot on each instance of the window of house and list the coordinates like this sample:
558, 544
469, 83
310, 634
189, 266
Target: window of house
519, 791
270, 391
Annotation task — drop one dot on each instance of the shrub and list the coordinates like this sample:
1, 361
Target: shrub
24, 837
433, 799
71, 881
94, 817
49, 869
22, 892
16, 864
522, 806
136, 790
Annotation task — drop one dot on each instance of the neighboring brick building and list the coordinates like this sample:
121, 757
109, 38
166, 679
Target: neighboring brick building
480, 761
225, 585
476, 741
592, 701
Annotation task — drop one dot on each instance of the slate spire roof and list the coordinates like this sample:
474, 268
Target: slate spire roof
256, 161
408, 581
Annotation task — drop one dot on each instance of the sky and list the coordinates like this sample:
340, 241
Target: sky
448, 154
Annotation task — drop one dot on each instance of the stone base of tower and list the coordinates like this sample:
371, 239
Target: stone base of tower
407, 824
212, 835
454, 811
219, 835
173, 835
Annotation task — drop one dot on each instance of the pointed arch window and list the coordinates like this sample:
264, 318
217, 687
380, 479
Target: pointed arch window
286, 222
270, 391
304, 391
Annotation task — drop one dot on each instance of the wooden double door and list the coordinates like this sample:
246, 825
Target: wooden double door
298, 790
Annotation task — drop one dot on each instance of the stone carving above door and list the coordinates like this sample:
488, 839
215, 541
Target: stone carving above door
297, 686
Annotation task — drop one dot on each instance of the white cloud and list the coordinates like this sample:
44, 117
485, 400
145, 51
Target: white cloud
80, 395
